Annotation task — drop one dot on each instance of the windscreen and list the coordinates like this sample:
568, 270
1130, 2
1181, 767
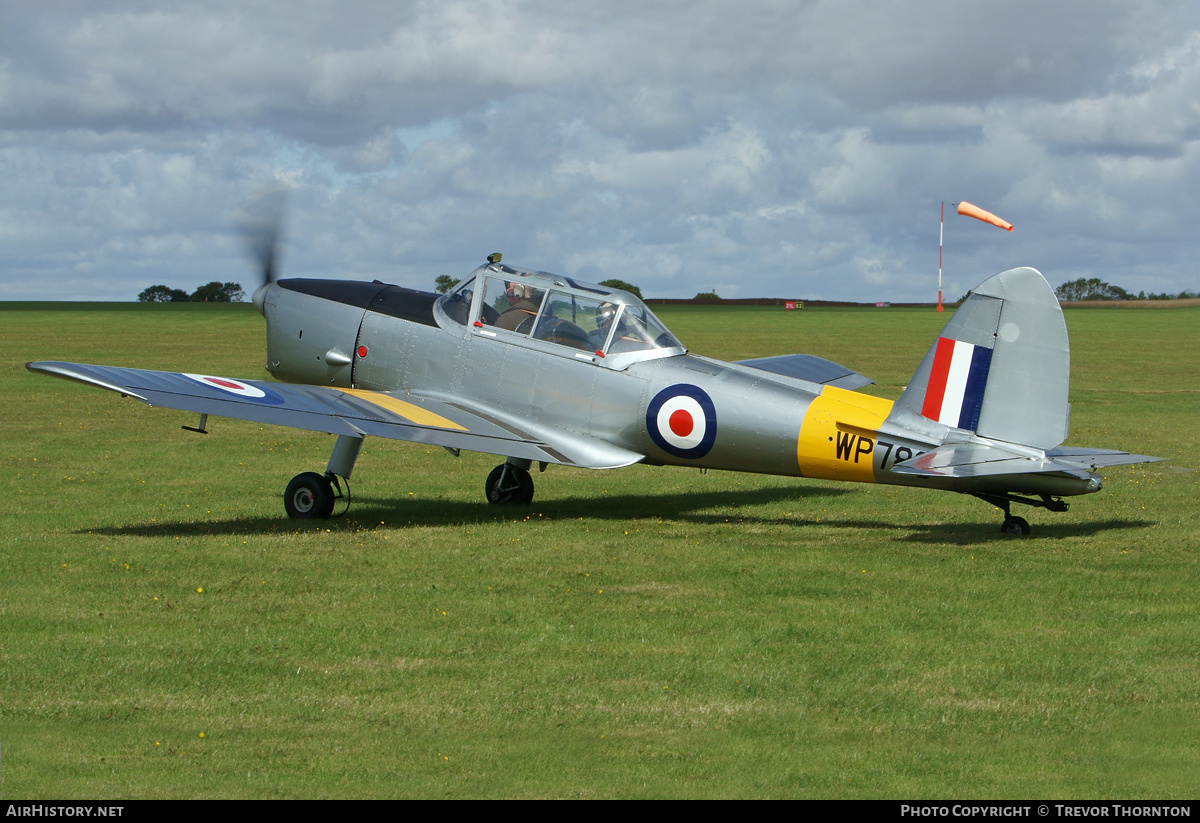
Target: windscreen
457, 302
637, 329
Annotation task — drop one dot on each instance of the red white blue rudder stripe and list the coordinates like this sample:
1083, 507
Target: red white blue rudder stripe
957, 381
682, 421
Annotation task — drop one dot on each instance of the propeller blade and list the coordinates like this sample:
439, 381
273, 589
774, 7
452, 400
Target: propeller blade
261, 223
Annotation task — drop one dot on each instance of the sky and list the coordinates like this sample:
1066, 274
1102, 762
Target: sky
763, 149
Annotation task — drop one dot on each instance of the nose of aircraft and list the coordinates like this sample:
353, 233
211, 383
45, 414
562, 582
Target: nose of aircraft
259, 298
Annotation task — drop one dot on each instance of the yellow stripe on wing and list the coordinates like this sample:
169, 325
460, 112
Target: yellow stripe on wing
409, 411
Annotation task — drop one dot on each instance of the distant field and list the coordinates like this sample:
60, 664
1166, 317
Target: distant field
1186, 303
646, 632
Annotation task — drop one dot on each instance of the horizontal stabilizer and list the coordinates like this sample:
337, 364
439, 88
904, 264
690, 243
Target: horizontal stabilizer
811, 368
1099, 458
982, 460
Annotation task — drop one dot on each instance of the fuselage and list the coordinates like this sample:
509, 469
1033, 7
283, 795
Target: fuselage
550, 362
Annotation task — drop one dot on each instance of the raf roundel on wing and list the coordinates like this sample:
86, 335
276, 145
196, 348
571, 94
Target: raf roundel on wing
237, 388
682, 421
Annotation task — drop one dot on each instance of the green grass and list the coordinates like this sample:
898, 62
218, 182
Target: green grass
648, 632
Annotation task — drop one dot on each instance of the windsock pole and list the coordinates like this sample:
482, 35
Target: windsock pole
969, 210
941, 234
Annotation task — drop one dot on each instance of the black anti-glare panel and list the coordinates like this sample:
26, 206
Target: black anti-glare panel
351, 292
407, 304
394, 301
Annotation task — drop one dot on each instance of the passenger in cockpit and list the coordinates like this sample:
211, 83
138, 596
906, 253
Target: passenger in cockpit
523, 302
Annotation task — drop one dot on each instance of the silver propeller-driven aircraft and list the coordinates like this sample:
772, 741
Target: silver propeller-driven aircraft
540, 368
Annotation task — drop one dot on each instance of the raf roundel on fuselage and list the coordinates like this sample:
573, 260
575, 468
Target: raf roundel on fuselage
682, 421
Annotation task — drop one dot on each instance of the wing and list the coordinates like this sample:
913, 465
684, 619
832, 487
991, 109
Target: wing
448, 422
811, 368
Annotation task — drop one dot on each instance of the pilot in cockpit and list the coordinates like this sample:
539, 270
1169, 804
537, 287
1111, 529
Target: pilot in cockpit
605, 313
631, 334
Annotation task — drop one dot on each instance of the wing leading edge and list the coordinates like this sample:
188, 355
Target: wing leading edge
454, 424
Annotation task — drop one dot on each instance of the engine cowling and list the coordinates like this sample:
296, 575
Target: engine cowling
310, 335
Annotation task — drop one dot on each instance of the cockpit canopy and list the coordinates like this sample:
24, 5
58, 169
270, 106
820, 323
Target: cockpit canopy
611, 325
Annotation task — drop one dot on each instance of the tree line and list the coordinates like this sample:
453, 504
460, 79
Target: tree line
1084, 288
1093, 288
213, 292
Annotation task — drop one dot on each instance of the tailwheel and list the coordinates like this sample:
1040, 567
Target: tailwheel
1014, 525
309, 497
510, 485
1004, 500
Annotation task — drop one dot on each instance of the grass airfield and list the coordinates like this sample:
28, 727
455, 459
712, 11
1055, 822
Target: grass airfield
646, 632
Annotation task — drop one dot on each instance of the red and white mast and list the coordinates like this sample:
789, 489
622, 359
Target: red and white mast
941, 234
970, 211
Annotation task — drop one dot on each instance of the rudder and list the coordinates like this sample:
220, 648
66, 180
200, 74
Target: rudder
1001, 366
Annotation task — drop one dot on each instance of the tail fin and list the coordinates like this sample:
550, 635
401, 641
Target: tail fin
1001, 366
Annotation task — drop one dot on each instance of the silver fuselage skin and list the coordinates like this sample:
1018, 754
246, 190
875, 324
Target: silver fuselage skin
388, 339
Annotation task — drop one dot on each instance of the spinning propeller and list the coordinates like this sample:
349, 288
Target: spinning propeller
261, 223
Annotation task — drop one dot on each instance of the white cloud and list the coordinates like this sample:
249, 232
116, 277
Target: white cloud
765, 148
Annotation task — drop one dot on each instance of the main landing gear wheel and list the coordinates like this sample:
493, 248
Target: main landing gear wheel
1014, 525
309, 497
509, 485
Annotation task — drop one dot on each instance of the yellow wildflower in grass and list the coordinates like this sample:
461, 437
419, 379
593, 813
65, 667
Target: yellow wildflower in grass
200, 590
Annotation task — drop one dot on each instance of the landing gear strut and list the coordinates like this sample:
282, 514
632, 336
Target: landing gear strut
310, 496
510, 484
1019, 525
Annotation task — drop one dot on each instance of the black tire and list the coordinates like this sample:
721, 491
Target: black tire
1015, 525
525, 492
517, 489
309, 497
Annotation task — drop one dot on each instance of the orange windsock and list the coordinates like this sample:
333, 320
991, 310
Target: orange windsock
986, 216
